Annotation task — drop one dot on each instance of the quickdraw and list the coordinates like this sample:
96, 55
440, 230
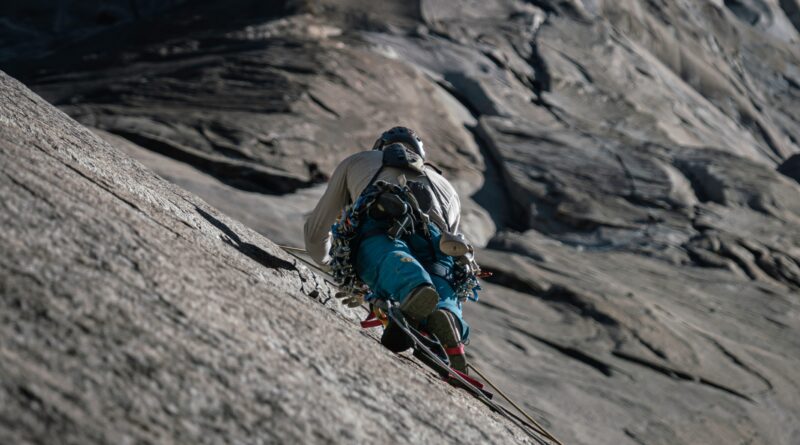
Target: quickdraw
465, 282
375, 318
344, 232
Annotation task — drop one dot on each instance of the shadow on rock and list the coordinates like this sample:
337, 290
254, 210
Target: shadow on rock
254, 252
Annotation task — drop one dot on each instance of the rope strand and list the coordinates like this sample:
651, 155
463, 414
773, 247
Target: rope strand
539, 427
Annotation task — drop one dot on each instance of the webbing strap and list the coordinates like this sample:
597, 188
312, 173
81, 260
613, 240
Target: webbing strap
456, 350
440, 271
439, 201
373, 321
469, 379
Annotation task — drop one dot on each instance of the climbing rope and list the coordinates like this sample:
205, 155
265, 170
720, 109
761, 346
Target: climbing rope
293, 251
539, 428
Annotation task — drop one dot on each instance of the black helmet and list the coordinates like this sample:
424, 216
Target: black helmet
403, 135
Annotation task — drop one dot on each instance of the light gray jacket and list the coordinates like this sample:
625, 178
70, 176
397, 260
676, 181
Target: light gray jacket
351, 177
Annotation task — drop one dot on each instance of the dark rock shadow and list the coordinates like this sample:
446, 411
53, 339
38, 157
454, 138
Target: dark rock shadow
495, 195
791, 167
252, 251
249, 177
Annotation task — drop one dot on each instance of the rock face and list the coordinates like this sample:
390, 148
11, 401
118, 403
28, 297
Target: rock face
132, 312
631, 168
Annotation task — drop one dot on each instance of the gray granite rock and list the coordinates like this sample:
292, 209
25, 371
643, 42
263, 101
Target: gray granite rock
630, 166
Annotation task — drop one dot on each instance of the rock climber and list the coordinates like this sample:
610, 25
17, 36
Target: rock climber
411, 215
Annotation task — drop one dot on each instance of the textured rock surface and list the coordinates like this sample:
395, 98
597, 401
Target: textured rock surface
132, 312
631, 168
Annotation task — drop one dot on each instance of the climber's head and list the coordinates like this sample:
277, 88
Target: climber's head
402, 135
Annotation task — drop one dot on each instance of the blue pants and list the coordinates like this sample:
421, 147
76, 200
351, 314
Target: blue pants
393, 268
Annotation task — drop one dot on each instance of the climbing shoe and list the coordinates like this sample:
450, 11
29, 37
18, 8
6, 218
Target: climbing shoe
419, 304
443, 325
395, 339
